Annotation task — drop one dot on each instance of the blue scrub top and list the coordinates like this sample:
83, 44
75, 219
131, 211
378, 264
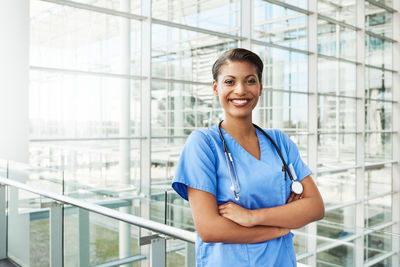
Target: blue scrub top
203, 166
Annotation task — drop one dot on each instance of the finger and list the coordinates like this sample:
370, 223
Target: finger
290, 198
296, 197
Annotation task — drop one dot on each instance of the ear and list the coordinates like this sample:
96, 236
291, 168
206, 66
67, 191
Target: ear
260, 91
215, 87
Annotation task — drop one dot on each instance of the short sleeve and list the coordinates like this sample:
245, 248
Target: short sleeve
196, 166
301, 169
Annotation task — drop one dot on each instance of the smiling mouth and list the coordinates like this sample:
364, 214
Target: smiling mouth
239, 101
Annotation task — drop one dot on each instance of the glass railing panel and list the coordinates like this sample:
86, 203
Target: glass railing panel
28, 221
97, 239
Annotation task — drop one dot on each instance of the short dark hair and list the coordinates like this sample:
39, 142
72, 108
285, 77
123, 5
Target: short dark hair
238, 54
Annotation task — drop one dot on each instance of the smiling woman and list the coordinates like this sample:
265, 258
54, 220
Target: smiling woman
239, 178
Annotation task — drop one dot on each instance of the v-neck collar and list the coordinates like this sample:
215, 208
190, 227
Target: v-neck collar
260, 144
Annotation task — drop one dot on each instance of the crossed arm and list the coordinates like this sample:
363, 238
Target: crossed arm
231, 223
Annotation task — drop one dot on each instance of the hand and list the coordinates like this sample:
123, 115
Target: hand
236, 214
294, 197
283, 231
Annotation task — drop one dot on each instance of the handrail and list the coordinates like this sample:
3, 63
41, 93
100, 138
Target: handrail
128, 218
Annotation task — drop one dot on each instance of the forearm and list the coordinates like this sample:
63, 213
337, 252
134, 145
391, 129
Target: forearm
223, 230
292, 215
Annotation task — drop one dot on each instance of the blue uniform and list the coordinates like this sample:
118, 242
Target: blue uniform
203, 166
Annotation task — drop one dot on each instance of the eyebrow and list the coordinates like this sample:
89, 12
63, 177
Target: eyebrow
250, 75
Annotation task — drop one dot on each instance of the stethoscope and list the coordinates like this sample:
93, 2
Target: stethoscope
296, 186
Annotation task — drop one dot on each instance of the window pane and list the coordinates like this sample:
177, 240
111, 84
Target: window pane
378, 20
341, 10
336, 77
223, 16
336, 114
80, 106
185, 55
77, 39
280, 25
336, 41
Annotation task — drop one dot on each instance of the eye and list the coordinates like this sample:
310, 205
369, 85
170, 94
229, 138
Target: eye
251, 81
228, 82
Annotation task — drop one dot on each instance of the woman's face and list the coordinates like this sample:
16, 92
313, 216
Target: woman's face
238, 88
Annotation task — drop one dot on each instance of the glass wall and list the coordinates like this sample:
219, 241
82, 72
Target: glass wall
114, 94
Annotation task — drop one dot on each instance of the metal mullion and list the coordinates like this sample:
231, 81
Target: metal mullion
312, 149
396, 136
111, 213
337, 170
339, 96
159, 79
246, 23
338, 22
196, 29
379, 258
145, 118
339, 59
3, 222
289, 6
90, 73
97, 9
33, 140
383, 6
379, 36
285, 91
269, 44
360, 136
380, 68
382, 100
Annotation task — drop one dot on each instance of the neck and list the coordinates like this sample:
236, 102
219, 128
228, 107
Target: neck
239, 127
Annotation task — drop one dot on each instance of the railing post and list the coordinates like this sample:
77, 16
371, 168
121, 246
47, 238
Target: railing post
190, 260
3, 222
157, 252
56, 232
83, 226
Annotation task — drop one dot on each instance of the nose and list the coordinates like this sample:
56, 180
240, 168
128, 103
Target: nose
240, 88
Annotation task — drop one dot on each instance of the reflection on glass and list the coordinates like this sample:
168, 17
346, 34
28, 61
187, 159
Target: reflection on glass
378, 243
378, 211
287, 111
337, 187
119, 5
336, 233
283, 70
91, 170
378, 20
336, 114
342, 255
378, 84
71, 38
336, 150
223, 16
341, 10
378, 52
178, 108
185, 55
378, 179
378, 115
280, 25
378, 147
336, 41
80, 106
336, 77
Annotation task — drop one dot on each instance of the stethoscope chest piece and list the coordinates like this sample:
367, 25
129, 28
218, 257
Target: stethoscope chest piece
297, 187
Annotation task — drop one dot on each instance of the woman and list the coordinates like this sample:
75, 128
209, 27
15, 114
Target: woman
243, 211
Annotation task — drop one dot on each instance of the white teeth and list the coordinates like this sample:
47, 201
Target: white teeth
239, 101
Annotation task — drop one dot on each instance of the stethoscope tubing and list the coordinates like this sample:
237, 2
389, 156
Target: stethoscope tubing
226, 150
229, 162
